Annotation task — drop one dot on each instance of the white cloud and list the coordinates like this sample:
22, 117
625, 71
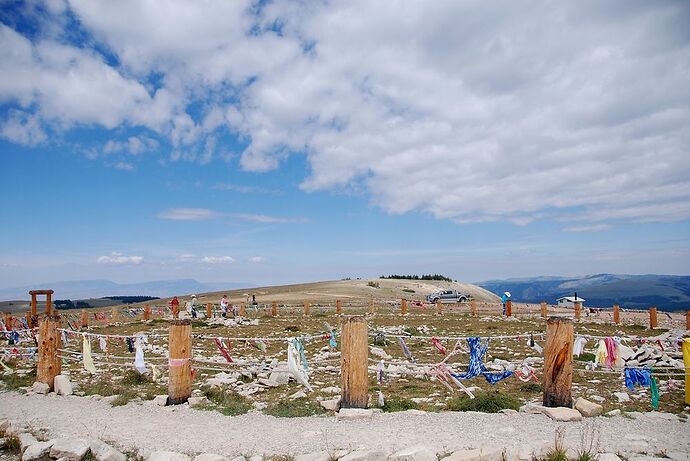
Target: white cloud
217, 259
592, 228
126, 166
22, 128
260, 218
188, 214
120, 259
256, 259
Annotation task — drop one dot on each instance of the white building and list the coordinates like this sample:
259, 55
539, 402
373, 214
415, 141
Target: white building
569, 301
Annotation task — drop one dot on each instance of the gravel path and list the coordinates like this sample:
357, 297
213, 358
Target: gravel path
148, 427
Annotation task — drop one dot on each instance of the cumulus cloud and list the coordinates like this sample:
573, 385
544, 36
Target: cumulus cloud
188, 214
256, 259
120, 259
592, 228
126, 166
217, 259
461, 110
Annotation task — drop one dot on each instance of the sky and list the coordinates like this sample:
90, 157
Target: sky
282, 141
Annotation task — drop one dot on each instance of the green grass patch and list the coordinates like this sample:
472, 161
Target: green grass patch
102, 387
586, 357
227, 401
532, 387
123, 398
294, 408
397, 404
13, 381
486, 402
134, 378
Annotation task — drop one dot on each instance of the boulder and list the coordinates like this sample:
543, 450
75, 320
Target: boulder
197, 401
160, 400
587, 408
72, 449
465, 455
62, 385
563, 414
210, 457
532, 408
317, 456
524, 452
167, 456
25, 439
416, 453
278, 378
104, 452
366, 455
36, 451
40, 388
353, 414
331, 405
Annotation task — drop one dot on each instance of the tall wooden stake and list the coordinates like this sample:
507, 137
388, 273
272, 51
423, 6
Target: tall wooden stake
179, 363
115, 314
306, 309
243, 310
8, 320
403, 306
473, 308
209, 310
371, 306
84, 319
147, 312
616, 314
509, 308
49, 364
577, 310
543, 309
274, 309
558, 362
439, 308
34, 305
29, 320
354, 379
49, 303
338, 307
652, 317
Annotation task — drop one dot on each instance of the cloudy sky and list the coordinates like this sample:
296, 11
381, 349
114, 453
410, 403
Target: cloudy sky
280, 141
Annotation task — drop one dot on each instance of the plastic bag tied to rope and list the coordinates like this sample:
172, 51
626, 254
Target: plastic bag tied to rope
405, 349
139, 363
654, 389
476, 366
639, 376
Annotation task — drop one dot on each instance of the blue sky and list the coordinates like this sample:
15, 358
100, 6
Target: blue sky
282, 143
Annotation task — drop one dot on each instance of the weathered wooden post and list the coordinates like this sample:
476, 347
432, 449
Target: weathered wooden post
209, 310
243, 310
577, 310
49, 302
49, 364
439, 307
687, 321
115, 315
371, 306
306, 308
558, 362
616, 314
147, 313
179, 363
403, 306
473, 308
34, 304
509, 308
84, 319
338, 307
7, 318
29, 320
353, 363
652, 317
543, 309
274, 309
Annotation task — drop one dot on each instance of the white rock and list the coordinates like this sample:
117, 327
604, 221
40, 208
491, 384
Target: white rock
40, 388
62, 385
614, 412
352, 414
532, 408
365, 455
256, 458
597, 398
608, 457
197, 401
298, 395
104, 452
587, 408
331, 405
160, 400
380, 353
331, 390
465, 455
563, 414
522, 452
317, 456
416, 453
622, 397
36, 451
167, 456
25, 439
210, 457
72, 449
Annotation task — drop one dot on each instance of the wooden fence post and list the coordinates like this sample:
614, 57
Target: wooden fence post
473, 308
209, 310
616, 314
353, 363
29, 320
49, 303
543, 309
558, 363
652, 317
274, 309
509, 308
578, 310
84, 319
338, 307
306, 308
115, 314
371, 306
243, 310
49, 364
403, 306
147, 313
439, 308
179, 363
7, 318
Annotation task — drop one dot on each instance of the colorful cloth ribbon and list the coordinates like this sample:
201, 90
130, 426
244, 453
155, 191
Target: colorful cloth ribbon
476, 366
439, 347
224, 352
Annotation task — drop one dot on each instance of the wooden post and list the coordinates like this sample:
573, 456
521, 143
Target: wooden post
473, 308
338, 307
509, 308
439, 308
243, 310
147, 313
558, 363
34, 308
115, 314
49, 303
354, 379
543, 309
403, 306
209, 310
371, 306
84, 318
306, 308
7, 318
180, 366
49, 364
274, 309
687, 320
652, 317
29, 320
616, 314
577, 310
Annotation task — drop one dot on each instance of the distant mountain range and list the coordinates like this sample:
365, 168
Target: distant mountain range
666, 292
81, 289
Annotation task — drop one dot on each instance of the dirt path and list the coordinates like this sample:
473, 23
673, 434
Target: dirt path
149, 427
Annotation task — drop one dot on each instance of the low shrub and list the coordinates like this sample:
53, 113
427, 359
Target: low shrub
294, 408
486, 402
227, 401
397, 404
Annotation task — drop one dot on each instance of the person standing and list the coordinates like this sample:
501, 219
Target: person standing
504, 300
175, 307
224, 305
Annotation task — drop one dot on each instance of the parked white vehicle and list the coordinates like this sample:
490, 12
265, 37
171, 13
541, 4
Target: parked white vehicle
448, 297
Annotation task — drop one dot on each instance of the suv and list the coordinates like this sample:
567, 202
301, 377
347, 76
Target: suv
448, 296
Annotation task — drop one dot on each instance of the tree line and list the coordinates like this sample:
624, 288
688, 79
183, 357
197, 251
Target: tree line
419, 277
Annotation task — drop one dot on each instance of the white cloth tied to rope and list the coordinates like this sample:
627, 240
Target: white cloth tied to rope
295, 367
139, 356
86, 353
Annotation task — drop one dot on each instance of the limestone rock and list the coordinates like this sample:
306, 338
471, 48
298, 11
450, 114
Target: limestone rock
36, 451
622, 397
365, 455
167, 456
597, 398
40, 388
160, 400
563, 414
62, 385
465, 455
614, 412
532, 408
72, 449
278, 378
331, 405
331, 390
317, 456
352, 414
416, 453
104, 452
298, 395
608, 457
210, 457
587, 408
524, 452
197, 401
25, 439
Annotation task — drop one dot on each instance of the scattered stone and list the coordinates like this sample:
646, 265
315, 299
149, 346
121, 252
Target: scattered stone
62, 385
25, 439
197, 401
317, 456
72, 449
167, 456
260, 405
608, 457
416, 453
160, 400
614, 412
365, 455
465, 455
331, 390
331, 405
104, 452
563, 414
298, 395
587, 408
353, 414
40, 388
210, 457
622, 397
36, 451
532, 408
256, 458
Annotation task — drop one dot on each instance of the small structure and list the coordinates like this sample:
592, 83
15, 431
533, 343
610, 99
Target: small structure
34, 308
569, 301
